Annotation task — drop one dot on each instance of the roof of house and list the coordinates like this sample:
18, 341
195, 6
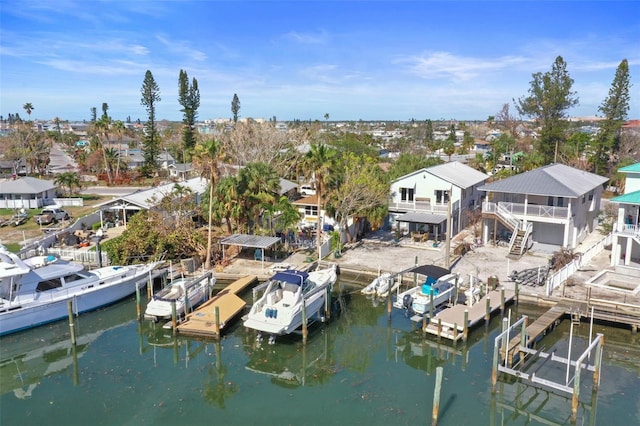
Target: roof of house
311, 200
633, 168
458, 174
25, 185
453, 172
286, 186
149, 198
630, 198
556, 180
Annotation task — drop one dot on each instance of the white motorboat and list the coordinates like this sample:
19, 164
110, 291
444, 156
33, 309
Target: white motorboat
193, 291
35, 291
279, 310
379, 286
432, 293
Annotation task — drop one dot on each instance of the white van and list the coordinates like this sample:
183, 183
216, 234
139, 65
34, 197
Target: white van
307, 190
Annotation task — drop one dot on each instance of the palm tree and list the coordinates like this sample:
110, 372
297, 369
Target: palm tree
119, 129
206, 157
101, 127
318, 163
68, 180
259, 185
28, 107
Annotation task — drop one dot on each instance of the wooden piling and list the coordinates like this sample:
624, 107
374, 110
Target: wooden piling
138, 303
304, 322
424, 326
439, 327
502, 299
465, 327
487, 312
436, 397
174, 317
327, 304
72, 325
216, 312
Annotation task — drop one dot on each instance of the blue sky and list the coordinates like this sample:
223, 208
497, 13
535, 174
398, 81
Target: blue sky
354, 60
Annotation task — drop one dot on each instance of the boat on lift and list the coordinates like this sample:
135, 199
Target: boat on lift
279, 311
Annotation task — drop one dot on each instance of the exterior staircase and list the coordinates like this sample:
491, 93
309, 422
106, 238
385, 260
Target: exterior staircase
520, 231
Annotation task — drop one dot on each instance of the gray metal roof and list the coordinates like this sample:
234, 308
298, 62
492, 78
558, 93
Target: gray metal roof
245, 240
556, 180
286, 186
415, 217
458, 174
25, 185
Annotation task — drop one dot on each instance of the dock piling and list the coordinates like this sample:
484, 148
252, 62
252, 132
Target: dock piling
216, 312
487, 312
465, 327
72, 325
304, 322
436, 397
174, 317
138, 303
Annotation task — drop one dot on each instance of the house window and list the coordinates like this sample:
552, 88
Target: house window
442, 196
560, 202
311, 210
407, 194
584, 198
591, 196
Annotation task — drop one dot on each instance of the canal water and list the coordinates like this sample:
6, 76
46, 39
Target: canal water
358, 369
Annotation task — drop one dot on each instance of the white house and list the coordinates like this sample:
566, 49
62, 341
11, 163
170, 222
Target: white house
555, 204
419, 201
26, 192
626, 232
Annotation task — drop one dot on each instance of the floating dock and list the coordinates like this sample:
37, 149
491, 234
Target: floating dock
453, 323
212, 316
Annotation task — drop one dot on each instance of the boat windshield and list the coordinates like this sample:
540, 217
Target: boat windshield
49, 284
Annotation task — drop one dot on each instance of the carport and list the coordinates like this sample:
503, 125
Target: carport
259, 242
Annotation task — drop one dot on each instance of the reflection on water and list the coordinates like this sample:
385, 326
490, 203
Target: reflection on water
360, 368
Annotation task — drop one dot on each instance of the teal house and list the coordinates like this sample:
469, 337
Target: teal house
625, 247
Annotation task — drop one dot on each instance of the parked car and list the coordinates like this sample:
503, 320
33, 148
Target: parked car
307, 190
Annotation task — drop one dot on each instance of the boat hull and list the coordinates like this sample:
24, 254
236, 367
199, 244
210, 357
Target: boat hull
52, 307
161, 309
277, 315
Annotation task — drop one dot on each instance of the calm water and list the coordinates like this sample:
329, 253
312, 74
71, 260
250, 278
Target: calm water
358, 369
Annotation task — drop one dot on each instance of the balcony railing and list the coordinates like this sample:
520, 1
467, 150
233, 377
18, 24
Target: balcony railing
418, 206
519, 209
627, 229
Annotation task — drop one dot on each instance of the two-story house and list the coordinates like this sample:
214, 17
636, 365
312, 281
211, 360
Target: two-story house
419, 201
556, 205
625, 244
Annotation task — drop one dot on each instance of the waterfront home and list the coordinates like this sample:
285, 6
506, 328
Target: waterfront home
554, 205
419, 201
625, 246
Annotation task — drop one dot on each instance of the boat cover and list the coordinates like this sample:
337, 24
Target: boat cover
291, 276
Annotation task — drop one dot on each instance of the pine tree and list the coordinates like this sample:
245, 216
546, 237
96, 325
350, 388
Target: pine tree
550, 96
614, 109
235, 107
151, 144
189, 99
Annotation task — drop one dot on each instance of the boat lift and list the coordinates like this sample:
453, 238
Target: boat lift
501, 346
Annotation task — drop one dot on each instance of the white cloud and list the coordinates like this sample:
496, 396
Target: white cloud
182, 47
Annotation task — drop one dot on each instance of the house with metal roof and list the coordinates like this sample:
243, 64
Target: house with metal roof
26, 192
556, 205
625, 245
419, 201
121, 208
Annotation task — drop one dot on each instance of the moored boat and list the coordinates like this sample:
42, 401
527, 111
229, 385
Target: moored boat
288, 293
36, 291
431, 294
379, 286
184, 292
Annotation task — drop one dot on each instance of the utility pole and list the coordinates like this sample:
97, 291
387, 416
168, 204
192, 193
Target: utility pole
447, 248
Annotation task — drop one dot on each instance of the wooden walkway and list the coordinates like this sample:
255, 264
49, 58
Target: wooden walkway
202, 321
534, 331
449, 323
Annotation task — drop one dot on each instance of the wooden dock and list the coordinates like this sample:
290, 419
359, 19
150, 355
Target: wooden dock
450, 322
203, 322
537, 329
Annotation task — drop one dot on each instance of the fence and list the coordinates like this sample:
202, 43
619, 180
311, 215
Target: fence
69, 202
558, 278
